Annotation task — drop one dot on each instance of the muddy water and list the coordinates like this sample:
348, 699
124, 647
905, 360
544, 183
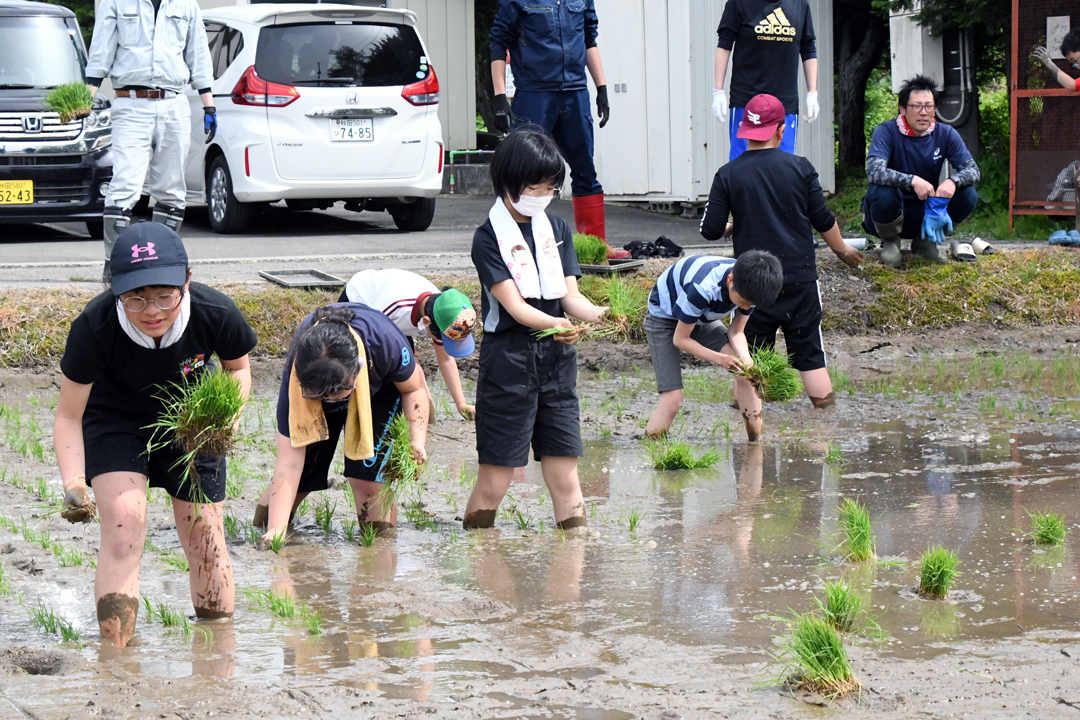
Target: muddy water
520, 622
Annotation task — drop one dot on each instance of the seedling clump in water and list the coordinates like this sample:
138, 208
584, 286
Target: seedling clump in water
841, 608
772, 376
938, 570
368, 533
814, 654
1046, 528
677, 455
859, 542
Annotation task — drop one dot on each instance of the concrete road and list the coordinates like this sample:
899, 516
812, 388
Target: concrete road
334, 241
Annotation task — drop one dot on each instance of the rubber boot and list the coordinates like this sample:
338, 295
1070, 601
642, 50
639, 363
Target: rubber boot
589, 219
890, 241
115, 221
168, 216
928, 250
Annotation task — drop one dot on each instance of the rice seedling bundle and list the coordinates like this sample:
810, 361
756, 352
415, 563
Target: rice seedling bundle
678, 455
815, 652
591, 250
859, 542
772, 376
72, 101
401, 466
1047, 528
607, 326
937, 571
841, 608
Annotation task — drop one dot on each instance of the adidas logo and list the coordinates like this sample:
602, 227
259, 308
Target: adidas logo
775, 24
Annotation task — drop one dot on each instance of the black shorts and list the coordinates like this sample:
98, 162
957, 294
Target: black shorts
109, 447
526, 395
319, 457
797, 311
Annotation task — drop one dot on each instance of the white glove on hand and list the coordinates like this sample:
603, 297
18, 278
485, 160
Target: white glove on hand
812, 107
1043, 55
719, 105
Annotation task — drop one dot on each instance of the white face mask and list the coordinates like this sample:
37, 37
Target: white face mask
529, 205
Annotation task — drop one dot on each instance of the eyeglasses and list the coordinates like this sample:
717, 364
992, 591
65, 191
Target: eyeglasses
165, 302
927, 107
329, 395
540, 191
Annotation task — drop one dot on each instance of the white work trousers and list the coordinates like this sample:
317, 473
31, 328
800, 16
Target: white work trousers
141, 130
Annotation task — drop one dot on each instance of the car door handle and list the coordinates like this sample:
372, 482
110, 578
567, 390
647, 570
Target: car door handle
342, 113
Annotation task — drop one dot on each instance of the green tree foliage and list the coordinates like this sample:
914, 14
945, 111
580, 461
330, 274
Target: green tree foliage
84, 13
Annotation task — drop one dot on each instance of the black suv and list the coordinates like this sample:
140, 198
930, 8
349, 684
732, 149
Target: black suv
49, 172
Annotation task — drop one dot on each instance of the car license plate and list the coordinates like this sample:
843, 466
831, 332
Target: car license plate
352, 130
16, 192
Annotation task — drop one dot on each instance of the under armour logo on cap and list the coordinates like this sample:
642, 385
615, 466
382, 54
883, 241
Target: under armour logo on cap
148, 249
754, 118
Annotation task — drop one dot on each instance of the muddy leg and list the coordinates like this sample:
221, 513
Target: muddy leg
492, 482
664, 414
749, 407
818, 386
202, 534
262, 511
373, 506
121, 500
561, 478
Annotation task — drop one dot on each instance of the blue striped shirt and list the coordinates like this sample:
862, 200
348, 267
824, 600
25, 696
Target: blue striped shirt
694, 290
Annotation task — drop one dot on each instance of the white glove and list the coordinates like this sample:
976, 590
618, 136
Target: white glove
812, 107
719, 105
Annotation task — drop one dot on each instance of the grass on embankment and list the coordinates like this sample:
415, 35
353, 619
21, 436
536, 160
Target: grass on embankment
1022, 288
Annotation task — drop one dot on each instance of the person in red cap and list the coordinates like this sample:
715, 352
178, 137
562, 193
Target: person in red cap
776, 202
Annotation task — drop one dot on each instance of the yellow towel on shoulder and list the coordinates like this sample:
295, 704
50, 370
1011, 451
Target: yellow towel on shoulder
307, 421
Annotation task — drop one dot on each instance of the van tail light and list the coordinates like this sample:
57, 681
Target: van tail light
253, 90
440, 147
425, 92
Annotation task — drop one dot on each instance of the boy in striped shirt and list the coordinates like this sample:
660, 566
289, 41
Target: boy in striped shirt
415, 305
684, 314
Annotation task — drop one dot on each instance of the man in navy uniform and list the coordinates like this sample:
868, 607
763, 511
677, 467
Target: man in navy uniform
551, 43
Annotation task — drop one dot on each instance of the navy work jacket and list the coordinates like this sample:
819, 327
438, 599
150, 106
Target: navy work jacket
547, 40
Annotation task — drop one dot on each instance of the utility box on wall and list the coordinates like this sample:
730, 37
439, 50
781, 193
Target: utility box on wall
662, 143
914, 50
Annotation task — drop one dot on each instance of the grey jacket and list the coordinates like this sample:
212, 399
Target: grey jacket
133, 49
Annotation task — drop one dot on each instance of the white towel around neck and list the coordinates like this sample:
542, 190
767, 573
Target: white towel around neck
172, 335
538, 275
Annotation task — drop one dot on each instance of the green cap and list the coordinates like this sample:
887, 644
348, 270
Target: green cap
454, 310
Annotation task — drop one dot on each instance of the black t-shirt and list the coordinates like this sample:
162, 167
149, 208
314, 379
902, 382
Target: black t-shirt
769, 39
127, 377
491, 269
776, 203
389, 357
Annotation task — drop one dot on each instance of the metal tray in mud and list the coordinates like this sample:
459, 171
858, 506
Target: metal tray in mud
304, 279
616, 266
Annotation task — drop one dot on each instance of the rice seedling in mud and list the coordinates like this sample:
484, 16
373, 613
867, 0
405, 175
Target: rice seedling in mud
232, 525
313, 621
591, 250
841, 607
234, 485
368, 533
174, 559
278, 541
813, 658
937, 571
72, 101
834, 455
281, 604
670, 454
1047, 528
169, 616
5, 586
303, 508
200, 416
772, 376
633, 517
68, 556
45, 619
251, 533
348, 529
858, 541
324, 515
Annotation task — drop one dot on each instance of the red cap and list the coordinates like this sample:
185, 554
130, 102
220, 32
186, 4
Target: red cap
762, 116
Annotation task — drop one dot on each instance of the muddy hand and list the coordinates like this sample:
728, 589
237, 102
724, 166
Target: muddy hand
78, 507
467, 411
853, 258
419, 455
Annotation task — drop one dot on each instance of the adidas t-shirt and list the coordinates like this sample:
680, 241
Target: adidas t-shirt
126, 377
393, 293
770, 39
389, 357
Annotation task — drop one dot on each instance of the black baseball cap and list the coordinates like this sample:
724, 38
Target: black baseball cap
147, 253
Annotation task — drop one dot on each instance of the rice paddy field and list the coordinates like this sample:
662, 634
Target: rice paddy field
790, 578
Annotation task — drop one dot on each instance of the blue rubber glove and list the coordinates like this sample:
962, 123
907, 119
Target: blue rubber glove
936, 219
209, 123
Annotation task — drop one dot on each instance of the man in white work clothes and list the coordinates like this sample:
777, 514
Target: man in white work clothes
151, 49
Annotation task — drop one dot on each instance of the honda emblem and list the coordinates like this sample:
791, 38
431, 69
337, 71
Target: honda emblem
352, 97
31, 123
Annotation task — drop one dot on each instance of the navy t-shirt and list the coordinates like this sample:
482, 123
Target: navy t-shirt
922, 156
389, 357
491, 269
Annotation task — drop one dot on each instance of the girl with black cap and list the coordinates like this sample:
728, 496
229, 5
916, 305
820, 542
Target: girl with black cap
348, 368
154, 329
